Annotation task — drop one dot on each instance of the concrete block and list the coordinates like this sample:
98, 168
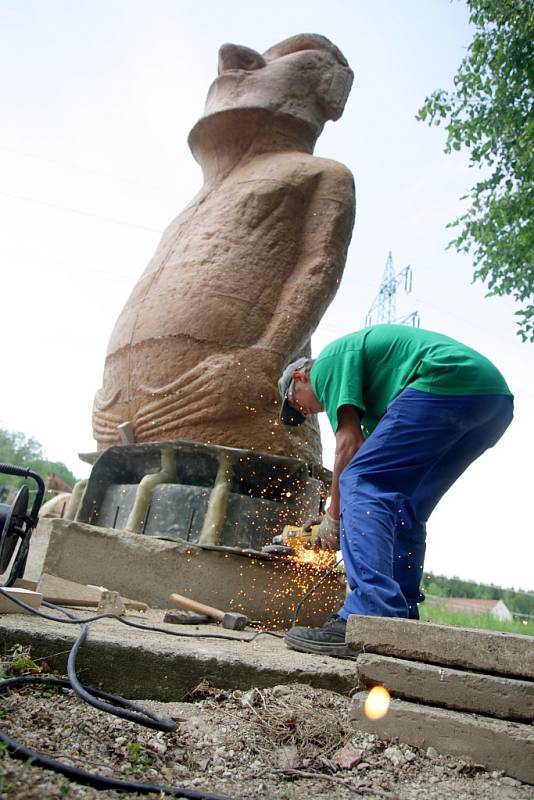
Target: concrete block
140, 663
505, 698
496, 744
466, 648
264, 588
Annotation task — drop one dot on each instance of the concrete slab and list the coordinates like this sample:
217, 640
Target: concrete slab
496, 744
150, 569
142, 664
466, 648
505, 698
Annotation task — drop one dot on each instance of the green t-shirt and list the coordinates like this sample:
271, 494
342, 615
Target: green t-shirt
370, 368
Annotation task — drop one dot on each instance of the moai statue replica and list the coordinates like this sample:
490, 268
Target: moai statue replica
243, 275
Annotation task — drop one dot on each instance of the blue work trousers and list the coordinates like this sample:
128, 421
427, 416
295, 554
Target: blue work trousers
390, 487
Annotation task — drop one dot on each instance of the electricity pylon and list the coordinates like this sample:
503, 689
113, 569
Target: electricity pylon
384, 306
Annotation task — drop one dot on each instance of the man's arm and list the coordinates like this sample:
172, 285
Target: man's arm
349, 438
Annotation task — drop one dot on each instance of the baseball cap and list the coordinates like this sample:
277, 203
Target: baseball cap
288, 414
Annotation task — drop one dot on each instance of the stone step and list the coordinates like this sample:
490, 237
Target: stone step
444, 645
495, 744
141, 663
505, 698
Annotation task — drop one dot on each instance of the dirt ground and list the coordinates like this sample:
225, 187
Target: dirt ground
290, 742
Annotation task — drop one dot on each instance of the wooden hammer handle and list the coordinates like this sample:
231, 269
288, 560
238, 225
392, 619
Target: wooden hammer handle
192, 605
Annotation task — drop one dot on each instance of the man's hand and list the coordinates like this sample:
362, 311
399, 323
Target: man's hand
327, 535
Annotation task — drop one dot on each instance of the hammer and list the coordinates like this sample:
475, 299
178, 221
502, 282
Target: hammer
228, 619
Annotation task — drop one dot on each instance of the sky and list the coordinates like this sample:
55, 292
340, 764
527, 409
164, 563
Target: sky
97, 99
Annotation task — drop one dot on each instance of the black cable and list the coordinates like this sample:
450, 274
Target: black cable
114, 704
73, 620
104, 701
313, 588
18, 750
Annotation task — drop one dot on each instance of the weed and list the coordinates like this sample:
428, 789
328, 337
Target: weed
25, 767
17, 661
50, 691
138, 761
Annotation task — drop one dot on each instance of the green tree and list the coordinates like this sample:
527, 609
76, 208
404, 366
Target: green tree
441, 586
17, 449
490, 111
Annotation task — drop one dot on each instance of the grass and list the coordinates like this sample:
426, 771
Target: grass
17, 661
464, 620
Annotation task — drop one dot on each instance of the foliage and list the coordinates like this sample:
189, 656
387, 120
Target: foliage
138, 758
463, 619
440, 586
18, 661
489, 111
17, 449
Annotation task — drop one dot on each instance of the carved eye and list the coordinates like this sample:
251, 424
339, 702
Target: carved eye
233, 56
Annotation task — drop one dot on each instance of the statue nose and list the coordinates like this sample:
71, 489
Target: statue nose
235, 56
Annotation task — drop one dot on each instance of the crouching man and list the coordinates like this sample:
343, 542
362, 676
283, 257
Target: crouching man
410, 410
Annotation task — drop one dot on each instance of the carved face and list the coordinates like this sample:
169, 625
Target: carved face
305, 77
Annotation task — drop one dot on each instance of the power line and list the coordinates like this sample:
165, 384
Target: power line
89, 170
70, 210
63, 265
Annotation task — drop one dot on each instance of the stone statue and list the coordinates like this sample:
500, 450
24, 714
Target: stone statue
243, 275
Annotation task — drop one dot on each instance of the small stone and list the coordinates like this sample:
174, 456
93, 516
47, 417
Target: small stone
111, 602
395, 756
158, 746
432, 753
250, 698
507, 781
409, 755
497, 773
348, 756
287, 757
281, 690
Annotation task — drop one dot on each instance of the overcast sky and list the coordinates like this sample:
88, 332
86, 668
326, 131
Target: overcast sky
97, 100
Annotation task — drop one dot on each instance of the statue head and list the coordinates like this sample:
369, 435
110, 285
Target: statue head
305, 77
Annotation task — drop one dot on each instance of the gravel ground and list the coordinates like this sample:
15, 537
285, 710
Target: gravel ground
285, 743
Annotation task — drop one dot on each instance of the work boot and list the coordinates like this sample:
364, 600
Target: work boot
328, 640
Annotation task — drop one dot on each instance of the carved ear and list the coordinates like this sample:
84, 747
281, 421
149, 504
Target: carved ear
334, 91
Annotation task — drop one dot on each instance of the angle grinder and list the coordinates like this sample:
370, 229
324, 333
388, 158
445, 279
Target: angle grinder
292, 538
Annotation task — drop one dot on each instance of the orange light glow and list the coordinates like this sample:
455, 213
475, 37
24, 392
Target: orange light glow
377, 703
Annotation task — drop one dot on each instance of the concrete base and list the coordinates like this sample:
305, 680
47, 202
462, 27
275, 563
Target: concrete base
495, 744
144, 568
505, 698
142, 664
465, 648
